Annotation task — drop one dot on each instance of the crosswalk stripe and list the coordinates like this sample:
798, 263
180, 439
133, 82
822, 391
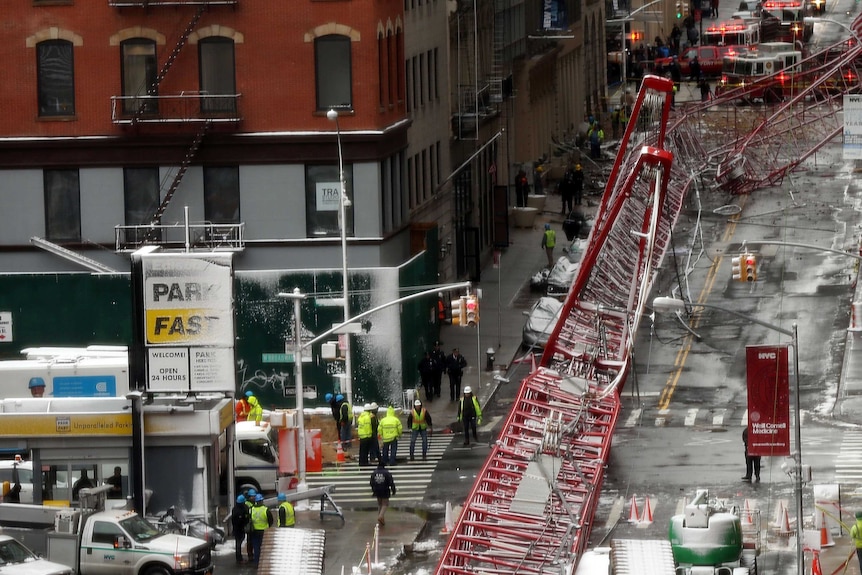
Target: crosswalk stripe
412, 478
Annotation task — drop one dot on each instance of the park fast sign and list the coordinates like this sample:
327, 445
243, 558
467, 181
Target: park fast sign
188, 322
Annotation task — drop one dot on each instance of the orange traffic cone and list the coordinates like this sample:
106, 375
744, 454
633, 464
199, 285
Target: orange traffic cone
826, 539
647, 517
815, 565
746, 514
339, 453
634, 517
448, 524
784, 527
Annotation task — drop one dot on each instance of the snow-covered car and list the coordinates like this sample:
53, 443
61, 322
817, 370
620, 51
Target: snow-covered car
561, 277
541, 320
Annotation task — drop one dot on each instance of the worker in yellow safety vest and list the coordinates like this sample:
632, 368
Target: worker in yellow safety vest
365, 430
255, 411
419, 422
390, 430
261, 520
286, 514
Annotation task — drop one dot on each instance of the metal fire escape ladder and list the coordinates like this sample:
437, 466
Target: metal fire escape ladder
181, 42
178, 178
501, 13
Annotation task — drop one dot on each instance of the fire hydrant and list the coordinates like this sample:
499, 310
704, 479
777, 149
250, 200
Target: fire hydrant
489, 359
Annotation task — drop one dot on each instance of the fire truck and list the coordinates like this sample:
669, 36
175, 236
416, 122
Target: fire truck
769, 59
791, 15
735, 32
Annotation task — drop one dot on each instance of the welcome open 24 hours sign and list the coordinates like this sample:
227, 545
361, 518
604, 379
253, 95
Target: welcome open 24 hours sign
189, 322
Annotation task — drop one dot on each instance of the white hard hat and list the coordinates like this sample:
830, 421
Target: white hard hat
468, 389
417, 403
366, 407
374, 406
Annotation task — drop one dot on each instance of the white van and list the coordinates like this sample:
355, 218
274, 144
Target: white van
256, 456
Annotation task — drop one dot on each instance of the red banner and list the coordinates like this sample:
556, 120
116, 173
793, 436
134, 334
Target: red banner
768, 399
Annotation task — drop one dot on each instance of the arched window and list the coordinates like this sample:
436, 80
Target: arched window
333, 72
218, 75
139, 70
55, 72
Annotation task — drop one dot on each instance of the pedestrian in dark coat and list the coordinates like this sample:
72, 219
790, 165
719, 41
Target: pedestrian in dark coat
382, 487
439, 357
426, 375
522, 189
752, 462
239, 523
455, 364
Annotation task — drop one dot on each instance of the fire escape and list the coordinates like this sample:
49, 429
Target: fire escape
199, 109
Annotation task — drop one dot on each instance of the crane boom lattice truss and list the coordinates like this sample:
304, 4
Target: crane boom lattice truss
531, 507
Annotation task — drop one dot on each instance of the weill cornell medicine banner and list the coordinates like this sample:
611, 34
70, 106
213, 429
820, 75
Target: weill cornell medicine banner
768, 400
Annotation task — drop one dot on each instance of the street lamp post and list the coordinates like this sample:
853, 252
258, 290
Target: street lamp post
343, 202
297, 298
669, 304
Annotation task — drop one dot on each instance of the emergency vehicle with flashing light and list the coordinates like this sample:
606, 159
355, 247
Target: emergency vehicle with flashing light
775, 59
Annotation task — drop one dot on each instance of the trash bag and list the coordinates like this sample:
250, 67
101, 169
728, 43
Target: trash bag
576, 225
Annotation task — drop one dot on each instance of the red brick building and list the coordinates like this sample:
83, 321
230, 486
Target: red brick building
124, 112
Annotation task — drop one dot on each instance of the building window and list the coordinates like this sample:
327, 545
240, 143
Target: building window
139, 76
141, 195
221, 195
322, 200
333, 72
62, 206
56, 78
218, 78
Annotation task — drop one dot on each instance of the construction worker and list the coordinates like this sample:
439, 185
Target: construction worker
345, 421
37, 387
856, 535
374, 454
255, 411
549, 241
286, 514
336, 409
239, 521
249, 503
242, 407
469, 414
261, 520
390, 430
365, 432
419, 422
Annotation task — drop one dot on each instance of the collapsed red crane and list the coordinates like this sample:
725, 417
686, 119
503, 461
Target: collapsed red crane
532, 505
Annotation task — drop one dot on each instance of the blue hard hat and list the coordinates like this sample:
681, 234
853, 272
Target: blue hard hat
249, 393
36, 382
282, 497
339, 397
328, 397
258, 498
547, 226
252, 491
240, 499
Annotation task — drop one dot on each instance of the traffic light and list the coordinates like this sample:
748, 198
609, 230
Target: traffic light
459, 311
750, 271
472, 306
736, 268
678, 10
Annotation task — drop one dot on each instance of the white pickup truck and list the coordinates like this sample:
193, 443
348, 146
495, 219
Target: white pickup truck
117, 541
